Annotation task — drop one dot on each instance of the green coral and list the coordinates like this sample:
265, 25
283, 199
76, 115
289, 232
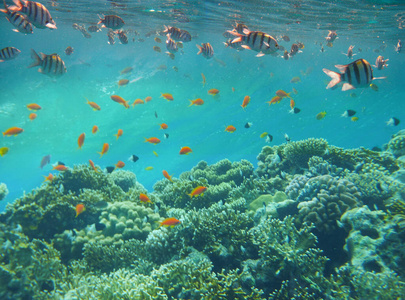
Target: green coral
298, 153
397, 144
3, 191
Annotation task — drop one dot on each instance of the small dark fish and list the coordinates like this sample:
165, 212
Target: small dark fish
93, 28
8, 53
69, 50
82, 29
239, 27
285, 55
332, 35
398, 48
178, 34
269, 138
110, 35
166, 135
156, 114
376, 149
393, 122
285, 38
122, 36
294, 49
248, 125
59, 163
111, 21
171, 45
133, 158
296, 110
349, 113
45, 160
206, 50
287, 138
378, 186
99, 226
109, 169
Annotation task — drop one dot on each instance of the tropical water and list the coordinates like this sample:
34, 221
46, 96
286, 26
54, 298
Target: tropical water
94, 70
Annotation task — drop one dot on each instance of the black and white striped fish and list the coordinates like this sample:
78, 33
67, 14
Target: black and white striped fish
171, 45
257, 41
36, 13
122, 36
111, 21
18, 20
380, 62
356, 74
206, 50
51, 64
178, 34
8, 53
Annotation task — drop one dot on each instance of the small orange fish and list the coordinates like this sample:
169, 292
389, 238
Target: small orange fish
60, 168
126, 70
295, 91
94, 129
233, 90
120, 100
203, 78
169, 222
198, 191
80, 208
245, 102
93, 105
34, 106
166, 175
147, 99
230, 128
13, 131
213, 92
292, 103
152, 140
163, 126
144, 198
122, 82
80, 140
167, 96
119, 133
104, 150
283, 94
32, 116
185, 150
119, 165
92, 165
275, 99
49, 177
196, 102
138, 101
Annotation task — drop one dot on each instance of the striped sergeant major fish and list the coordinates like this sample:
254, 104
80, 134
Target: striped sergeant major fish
18, 20
178, 34
206, 50
356, 74
122, 36
51, 64
171, 45
111, 21
257, 41
8, 53
380, 62
36, 13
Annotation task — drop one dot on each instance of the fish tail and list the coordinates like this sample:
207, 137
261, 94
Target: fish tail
336, 78
17, 7
6, 10
37, 60
237, 40
191, 102
199, 49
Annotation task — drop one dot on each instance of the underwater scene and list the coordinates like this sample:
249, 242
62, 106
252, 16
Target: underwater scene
202, 149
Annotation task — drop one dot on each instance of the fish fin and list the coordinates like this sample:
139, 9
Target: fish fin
246, 47
191, 103
51, 26
17, 7
260, 54
341, 68
266, 44
233, 32
336, 78
236, 40
347, 86
200, 49
384, 77
246, 31
36, 58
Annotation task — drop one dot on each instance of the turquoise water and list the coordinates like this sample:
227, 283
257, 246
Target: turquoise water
65, 114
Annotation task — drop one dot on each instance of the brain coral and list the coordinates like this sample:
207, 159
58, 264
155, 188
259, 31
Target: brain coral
124, 179
324, 199
300, 152
397, 144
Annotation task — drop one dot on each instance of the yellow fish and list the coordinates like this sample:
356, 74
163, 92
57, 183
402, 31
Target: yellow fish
374, 87
154, 152
3, 151
148, 168
321, 115
355, 119
264, 134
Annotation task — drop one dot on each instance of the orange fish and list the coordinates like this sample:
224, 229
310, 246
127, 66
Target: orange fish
119, 165
138, 101
34, 106
13, 131
147, 99
230, 128
80, 209
93, 105
246, 101
32, 116
60, 168
152, 140
144, 198
104, 150
283, 94
203, 78
94, 129
169, 222
213, 92
199, 190
92, 165
80, 140
167, 96
166, 175
119, 133
120, 100
123, 82
275, 99
233, 90
126, 70
185, 150
163, 126
49, 177
292, 103
196, 102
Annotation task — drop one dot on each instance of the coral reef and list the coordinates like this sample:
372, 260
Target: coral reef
298, 153
3, 191
397, 144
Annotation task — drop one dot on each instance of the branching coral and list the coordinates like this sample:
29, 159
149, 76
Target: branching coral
3, 191
300, 152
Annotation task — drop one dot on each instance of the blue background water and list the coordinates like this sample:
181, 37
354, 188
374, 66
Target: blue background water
65, 114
